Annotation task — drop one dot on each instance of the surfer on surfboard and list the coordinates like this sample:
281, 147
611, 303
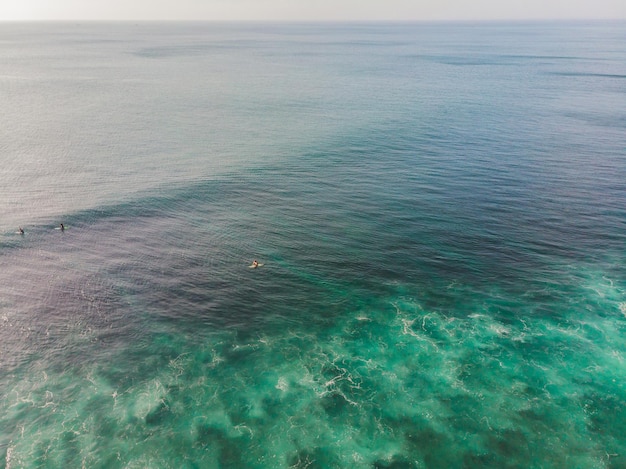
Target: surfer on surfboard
255, 264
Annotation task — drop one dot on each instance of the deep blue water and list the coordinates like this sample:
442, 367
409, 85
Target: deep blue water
440, 211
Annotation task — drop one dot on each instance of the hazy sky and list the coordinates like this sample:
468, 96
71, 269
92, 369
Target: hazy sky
308, 9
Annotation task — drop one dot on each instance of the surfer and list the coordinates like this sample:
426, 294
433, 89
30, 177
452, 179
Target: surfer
255, 264
21, 230
62, 227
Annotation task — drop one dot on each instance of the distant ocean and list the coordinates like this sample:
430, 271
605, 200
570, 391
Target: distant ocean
439, 208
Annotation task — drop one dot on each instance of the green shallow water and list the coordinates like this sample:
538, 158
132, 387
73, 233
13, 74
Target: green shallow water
388, 384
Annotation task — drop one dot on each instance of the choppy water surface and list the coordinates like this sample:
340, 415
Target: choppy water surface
441, 214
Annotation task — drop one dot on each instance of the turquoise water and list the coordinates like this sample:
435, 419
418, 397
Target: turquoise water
441, 214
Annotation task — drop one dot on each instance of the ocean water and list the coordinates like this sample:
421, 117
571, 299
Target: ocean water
440, 211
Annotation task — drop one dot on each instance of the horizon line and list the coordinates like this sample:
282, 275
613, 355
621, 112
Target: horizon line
318, 21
